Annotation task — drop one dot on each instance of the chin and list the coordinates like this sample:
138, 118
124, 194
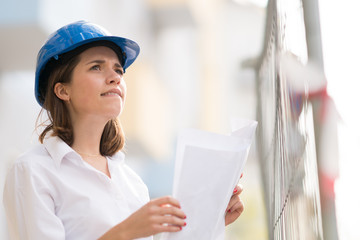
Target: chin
115, 113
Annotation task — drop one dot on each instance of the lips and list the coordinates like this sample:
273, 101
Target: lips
113, 92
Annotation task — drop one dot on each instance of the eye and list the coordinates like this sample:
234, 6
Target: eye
95, 67
119, 71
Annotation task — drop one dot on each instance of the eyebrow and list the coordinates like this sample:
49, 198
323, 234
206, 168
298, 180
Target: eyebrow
103, 61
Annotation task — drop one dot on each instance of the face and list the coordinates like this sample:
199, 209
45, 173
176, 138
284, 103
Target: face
97, 88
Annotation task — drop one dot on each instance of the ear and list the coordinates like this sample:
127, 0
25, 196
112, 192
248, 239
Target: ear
62, 92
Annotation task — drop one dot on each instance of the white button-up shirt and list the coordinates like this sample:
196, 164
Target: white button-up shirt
51, 193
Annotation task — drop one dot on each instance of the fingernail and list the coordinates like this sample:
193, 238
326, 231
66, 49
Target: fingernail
184, 224
235, 190
180, 228
229, 210
185, 217
242, 174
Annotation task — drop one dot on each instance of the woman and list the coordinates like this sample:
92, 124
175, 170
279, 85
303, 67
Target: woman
76, 184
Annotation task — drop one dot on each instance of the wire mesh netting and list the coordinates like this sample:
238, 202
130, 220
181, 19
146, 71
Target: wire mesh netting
286, 132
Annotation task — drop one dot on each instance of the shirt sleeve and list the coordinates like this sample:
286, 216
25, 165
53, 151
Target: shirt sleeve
29, 207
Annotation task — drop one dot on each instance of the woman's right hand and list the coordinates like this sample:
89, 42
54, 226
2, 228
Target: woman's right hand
159, 215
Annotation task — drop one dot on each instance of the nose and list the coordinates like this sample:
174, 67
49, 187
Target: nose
113, 77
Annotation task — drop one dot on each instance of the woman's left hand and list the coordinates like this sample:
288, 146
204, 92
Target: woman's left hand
235, 206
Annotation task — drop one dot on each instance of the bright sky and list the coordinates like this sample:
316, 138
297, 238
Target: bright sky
340, 22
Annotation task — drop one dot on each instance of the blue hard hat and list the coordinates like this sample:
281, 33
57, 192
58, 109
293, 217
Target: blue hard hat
71, 37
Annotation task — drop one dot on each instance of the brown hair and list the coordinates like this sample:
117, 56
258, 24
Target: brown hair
112, 139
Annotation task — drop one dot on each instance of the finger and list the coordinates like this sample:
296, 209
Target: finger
166, 228
238, 207
230, 217
166, 200
170, 220
233, 200
175, 211
238, 189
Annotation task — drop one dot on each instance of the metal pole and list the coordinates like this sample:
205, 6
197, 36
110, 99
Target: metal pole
313, 32
315, 55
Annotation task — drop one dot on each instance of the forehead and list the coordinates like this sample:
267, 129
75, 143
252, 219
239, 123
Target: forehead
99, 52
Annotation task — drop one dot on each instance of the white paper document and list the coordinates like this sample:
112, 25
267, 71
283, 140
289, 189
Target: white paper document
207, 168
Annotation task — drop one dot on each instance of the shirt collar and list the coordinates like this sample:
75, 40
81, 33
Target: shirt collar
57, 149
118, 157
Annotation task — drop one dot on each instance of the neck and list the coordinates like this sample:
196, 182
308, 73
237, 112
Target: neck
87, 136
